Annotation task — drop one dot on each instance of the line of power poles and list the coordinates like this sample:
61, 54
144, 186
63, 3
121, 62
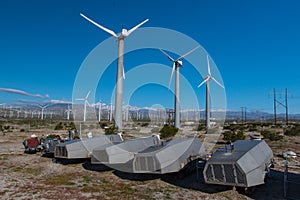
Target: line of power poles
283, 103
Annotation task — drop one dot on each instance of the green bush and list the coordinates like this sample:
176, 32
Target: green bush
233, 136
103, 125
145, 124
294, 131
59, 126
110, 130
201, 127
271, 135
168, 131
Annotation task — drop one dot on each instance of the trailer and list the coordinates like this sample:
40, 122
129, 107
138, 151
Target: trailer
82, 148
243, 163
169, 157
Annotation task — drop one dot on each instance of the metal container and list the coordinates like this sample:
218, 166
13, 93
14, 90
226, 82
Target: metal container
169, 157
82, 148
245, 163
123, 152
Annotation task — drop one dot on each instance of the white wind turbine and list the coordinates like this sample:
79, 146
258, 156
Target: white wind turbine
85, 104
120, 71
176, 65
43, 108
207, 81
68, 111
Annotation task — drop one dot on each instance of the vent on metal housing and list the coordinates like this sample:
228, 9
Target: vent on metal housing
61, 152
145, 164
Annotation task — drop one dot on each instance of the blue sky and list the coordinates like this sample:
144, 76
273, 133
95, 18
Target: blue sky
255, 45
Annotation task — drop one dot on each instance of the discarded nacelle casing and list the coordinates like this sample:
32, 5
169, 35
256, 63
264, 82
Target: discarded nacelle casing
82, 148
244, 163
119, 154
169, 157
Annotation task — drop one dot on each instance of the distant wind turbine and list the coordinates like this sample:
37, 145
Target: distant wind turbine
207, 81
176, 65
85, 104
68, 111
43, 108
120, 72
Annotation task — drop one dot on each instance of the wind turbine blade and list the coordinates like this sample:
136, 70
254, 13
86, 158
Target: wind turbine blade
205, 80
217, 82
208, 65
87, 94
173, 68
170, 58
136, 27
98, 25
187, 53
80, 99
88, 103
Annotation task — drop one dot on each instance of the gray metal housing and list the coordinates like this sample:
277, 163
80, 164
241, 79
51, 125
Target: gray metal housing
245, 165
169, 157
123, 152
82, 148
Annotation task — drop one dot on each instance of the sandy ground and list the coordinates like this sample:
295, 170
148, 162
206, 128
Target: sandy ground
32, 176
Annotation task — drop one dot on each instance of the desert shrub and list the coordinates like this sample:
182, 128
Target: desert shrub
51, 136
271, 135
103, 125
71, 126
201, 127
59, 126
233, 136
168, 131
252, 128
145, 124
110, 130
294, 131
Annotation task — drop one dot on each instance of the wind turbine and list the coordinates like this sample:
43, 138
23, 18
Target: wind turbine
68, 111
43, 108
85, 104
176, 65
120, 71
207, 81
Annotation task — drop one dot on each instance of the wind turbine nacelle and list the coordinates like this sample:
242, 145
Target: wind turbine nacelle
179, 63
124, 32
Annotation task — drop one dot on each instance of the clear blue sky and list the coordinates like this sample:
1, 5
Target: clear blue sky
255, 45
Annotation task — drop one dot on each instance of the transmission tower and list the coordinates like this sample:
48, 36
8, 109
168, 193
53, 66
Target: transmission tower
283, 103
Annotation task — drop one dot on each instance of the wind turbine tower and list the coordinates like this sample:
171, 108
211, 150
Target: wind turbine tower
207, 81
176, 65
120, 71
85, 104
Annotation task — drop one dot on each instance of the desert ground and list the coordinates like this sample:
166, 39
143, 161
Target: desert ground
34, 176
